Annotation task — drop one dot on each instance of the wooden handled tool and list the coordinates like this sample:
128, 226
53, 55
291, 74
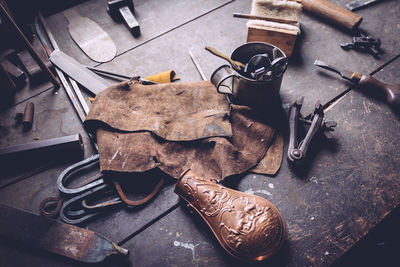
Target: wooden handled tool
333, 13
392, 91
367, 83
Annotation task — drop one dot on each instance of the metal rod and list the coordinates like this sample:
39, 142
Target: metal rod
70, 92
273, 19
29, 47
197, 66
63, 144
108, 73
78, 93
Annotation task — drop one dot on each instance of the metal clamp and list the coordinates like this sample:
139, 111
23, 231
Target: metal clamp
297, 150
364, 43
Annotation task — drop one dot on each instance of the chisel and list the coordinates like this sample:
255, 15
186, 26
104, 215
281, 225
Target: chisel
63, 239
367, 83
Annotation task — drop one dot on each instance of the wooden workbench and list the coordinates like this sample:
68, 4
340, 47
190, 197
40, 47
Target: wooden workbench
351, 184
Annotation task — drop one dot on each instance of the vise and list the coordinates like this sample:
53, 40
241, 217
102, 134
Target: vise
123, 10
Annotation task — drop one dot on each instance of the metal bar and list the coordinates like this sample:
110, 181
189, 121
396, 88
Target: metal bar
71, 143
273, 19
78, 108
29, 47
197, 66
78, 72
80, 96
108, 73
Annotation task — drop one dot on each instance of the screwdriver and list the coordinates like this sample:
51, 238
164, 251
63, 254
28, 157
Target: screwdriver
367, 83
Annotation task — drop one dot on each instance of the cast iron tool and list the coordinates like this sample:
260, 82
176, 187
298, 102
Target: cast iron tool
358, 4
123, 10
367, 82
364, 43
297, 150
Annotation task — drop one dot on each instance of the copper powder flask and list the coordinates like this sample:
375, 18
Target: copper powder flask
248, 227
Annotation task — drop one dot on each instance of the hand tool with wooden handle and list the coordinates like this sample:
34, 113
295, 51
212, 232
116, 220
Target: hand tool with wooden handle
367, 83
333, 13
235, 64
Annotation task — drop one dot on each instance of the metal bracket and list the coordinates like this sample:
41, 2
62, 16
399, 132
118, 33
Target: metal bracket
297, 150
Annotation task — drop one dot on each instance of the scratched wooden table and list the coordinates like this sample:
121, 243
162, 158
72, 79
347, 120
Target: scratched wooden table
351, 184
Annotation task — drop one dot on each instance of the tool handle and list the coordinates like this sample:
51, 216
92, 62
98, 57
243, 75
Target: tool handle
235, 64
130, 20
392, 91
333, 13
273, 19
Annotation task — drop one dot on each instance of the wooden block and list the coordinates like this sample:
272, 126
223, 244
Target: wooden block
282, 38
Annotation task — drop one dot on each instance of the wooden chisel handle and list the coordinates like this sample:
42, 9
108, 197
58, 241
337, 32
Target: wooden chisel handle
392, 91
333, 13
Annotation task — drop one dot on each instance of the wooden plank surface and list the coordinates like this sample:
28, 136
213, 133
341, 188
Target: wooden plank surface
351, 185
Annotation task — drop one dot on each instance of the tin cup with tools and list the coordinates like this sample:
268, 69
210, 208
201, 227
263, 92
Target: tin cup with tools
257, 80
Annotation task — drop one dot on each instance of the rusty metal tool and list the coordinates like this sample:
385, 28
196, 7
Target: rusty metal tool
358, 4
78, 72
34, 71
75, 101
117, 76
364, 43
367, 83
124, 10
66, 240
66, 144
297, 151
28, 46
17, 75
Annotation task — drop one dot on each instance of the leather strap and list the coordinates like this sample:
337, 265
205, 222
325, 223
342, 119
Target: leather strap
142, 201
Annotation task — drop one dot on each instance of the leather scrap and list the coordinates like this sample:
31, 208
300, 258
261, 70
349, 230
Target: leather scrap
164, 77
173, 111
214, 157
272, 160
